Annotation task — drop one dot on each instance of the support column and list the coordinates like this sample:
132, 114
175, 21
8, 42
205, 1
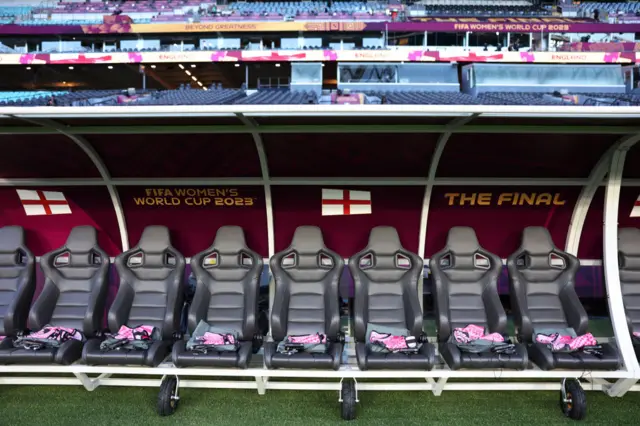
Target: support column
86, 147
612, 273
428, 190
596, 178
266, 181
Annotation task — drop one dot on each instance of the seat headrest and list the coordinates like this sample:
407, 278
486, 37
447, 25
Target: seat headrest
462, 240
82, 239
384, 240
229, 239
11, 237
154, 239
307, 240
536, 240
629, 241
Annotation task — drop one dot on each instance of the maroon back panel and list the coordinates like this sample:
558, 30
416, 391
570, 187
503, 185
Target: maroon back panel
173, 155
88, 205
43, 156
392, 206
349, 155
499, 214
522, 155
632, 163
193, 215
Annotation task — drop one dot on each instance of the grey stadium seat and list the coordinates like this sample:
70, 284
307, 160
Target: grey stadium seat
386, 294
629, 264
465, 287
74, 296
542, 286
151, 293
306, 300
228, 283
17, 282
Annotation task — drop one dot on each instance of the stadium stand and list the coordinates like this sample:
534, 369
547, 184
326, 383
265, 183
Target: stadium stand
296, 97
516, 8
587, 9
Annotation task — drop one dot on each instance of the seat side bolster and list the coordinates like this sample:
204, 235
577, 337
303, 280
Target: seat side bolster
175, 296
496, 316
252, 294
440, 299
280, 308
121, 306
517, 289
410, 297
42, 309
332, 297
97, 300
360, 301
576, 314
15, 317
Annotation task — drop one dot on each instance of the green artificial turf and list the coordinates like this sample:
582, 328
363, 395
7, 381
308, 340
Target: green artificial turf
70, 406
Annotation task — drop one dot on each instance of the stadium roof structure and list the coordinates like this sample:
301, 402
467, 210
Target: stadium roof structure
469, 119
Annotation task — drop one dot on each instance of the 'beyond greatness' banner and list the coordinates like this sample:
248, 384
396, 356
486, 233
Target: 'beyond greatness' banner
399, 55
503, 25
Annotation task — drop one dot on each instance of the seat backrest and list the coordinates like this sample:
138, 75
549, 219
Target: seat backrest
465, 285
151, 288
76, 283
307, 296
17, 280
542, 286
386, 284
228, 284
629, 265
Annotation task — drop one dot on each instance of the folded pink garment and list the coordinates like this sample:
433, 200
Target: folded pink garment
56, 333
308, 339
217, 339
474, 332
389, 341
559, 342
129, 333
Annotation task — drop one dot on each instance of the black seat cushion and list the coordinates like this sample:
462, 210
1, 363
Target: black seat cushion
457, 359
424, 360
328, 360
547, 360
157, 352
183, 358
66, 354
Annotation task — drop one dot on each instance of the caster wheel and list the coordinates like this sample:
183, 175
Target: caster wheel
574, 401
168, 397
348, 400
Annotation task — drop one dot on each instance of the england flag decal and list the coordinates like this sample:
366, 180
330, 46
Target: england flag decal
43, 203
339, 202
635, 211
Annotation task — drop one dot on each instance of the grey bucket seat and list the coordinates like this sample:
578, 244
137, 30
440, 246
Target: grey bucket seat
151, 293
17, 282
386, 294
629, 264
465, 287
543, 296
73, 296
228, 283
306, 300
